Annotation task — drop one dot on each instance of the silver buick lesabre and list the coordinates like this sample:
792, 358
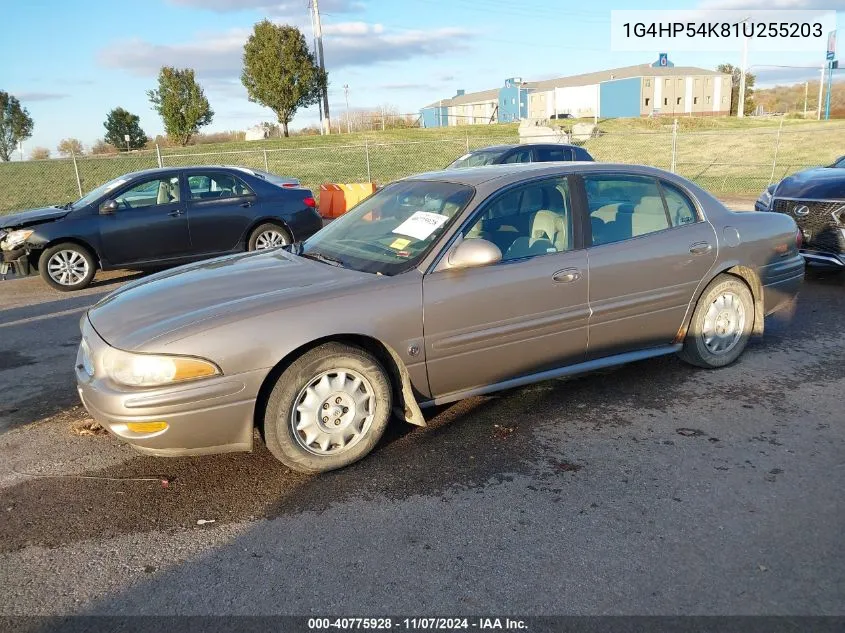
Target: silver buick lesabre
438, 287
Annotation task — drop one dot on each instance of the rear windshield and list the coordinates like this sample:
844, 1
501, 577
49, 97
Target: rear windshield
476, 159
272, 178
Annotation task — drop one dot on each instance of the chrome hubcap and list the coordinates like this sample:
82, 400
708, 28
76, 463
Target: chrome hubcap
333, 412
724, 323
67, 268
270, 239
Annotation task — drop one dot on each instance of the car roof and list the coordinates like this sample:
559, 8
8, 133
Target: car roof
515, 145
514, 172
165, 170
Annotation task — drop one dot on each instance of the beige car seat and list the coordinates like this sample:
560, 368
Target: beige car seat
649, 216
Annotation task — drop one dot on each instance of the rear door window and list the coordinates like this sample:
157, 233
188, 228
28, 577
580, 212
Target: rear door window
623, 207
216, 186
548, 154
681, 209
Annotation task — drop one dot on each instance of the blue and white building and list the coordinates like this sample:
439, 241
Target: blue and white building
632, 91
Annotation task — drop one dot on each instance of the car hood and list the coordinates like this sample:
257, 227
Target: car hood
163, 308
823, 183
33, 216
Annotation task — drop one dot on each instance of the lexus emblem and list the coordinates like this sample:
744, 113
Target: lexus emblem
801, 211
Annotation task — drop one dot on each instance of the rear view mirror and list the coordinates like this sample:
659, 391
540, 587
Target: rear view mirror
472, 253
108, 207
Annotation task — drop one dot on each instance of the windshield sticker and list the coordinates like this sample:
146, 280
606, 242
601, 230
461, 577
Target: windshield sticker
399, 243
421, 225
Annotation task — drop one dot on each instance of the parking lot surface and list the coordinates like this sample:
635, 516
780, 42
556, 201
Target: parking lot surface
651, 489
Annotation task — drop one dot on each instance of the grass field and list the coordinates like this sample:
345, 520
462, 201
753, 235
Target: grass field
725, 155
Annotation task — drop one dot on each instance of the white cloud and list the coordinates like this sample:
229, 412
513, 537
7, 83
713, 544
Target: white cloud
290, 7
770, 5
30, 96
218, 55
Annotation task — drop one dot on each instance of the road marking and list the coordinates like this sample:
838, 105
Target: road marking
41, 317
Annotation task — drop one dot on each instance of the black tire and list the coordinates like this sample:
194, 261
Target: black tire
287, 444
696, 351
268, 227
78, 258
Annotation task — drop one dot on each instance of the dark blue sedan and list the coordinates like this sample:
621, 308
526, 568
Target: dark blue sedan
523, 153
157, 217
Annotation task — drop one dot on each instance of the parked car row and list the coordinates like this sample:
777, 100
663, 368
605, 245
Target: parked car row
515, 264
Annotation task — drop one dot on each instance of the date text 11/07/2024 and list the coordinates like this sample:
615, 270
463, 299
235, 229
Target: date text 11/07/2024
418, 624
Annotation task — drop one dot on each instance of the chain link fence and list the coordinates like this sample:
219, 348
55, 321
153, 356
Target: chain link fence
731, 163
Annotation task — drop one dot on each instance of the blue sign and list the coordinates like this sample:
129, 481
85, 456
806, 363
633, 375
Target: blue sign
663, 60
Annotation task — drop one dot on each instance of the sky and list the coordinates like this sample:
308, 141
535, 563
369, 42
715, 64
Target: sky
69, 63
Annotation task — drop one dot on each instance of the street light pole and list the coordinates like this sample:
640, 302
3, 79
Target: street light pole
821, 93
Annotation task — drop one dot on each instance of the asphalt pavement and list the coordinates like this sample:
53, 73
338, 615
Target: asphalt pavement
655, 488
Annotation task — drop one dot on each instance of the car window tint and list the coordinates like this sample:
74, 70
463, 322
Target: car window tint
150, 193
681, 210
547, 154
527, 221
622, 207
216, 186
521, 156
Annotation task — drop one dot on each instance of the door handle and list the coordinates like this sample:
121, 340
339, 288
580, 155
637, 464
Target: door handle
175, 213
247, 204
567, 276
700, 248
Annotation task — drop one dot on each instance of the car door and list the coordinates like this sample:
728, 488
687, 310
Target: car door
527, 313
221, 207
149, 224
649, 249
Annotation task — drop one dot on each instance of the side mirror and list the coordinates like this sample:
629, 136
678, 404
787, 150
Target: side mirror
472, 253
108, 207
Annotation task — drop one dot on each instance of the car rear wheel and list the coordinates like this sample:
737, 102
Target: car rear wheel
67, 267
328, 409
268, 235
721, 324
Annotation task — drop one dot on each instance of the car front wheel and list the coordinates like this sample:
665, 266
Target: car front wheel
328, 409
721, 324
67, 267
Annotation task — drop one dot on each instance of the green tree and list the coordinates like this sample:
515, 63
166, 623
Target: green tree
181, 103
15, 124
68, 146
280, 72
735, 74
118, 124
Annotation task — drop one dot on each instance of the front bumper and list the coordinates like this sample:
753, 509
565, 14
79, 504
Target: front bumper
214, 415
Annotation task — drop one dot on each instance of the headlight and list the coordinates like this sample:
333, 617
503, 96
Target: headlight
765, 198
150, 370
14, 239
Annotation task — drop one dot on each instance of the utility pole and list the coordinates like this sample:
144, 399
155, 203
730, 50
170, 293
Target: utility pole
806, 88
821, 93
318, 35
829, 87
317, 56
346, 94
740, 104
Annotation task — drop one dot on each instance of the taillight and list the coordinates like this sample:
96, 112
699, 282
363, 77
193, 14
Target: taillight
290, 185
799, 239
310, 202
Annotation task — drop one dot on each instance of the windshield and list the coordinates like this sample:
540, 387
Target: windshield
392, 230
476, 159
100, 191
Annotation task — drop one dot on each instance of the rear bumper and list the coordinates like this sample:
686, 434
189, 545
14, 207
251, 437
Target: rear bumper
781, 282
821, 258
214, 415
